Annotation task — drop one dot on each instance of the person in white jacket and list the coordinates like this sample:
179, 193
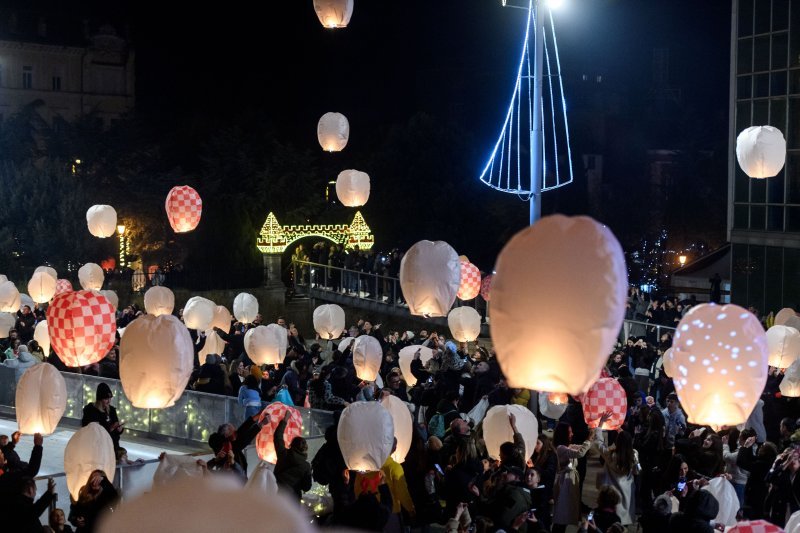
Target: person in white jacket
731, 444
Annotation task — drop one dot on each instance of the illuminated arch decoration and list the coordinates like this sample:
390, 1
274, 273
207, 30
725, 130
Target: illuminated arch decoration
274, 238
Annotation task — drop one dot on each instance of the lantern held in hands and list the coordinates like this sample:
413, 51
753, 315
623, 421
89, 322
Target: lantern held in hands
790, 385
497, 428
367, 357
159, 301
42, 287
470, 285
222, 318
761, 151
89, 449
91, 277
366, 436
42, 336
783, 343
405, 357
265, 446
245, 308
329, 321
605, 395
82, 327
334, 13
430, 274
333, 131
403, 425
198, 313
184, 208
352, 188
266, 345
102, 220
464, 323
41, 399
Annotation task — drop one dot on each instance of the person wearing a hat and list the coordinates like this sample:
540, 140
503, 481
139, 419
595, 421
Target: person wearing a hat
102, 412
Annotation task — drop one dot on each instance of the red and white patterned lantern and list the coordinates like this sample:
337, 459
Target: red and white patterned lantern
82, 327
470, 284
486, 286
605, 395
62, 286
265, 446
184, 207
756, 526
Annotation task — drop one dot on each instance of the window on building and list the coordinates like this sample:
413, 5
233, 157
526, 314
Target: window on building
56, 83
27, 77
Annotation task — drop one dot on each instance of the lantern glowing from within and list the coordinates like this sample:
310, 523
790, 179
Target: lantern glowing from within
82, 327
262, 481
334, 13
159, 301
101, 220
367, 357
464, 323
265, 445
333, 131
222, 318
761, 151
91, 277
545, 336
156, 358
668, 362
790, 385
62, 286
605, 395
403, 425
352, 188
757, 526
213, 345
549, 408
787, 317
42, 335
486, 287
366, 436
9, 297
42, 287
245, 308
329, 321
721, 358
198, 313
49, 270
184, 208
112, 298
405, 357
470, 285
41, 399
89, 449
497, 428
7, 322
430, 274
266, 345
783, 343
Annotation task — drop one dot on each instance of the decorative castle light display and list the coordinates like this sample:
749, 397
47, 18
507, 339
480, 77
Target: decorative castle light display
274, 238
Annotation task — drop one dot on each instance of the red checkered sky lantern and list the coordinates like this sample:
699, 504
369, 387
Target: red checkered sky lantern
184, 207
605, 395
470, 281
265, 446
82, 327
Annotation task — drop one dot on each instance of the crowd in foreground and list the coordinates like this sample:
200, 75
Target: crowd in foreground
655, 471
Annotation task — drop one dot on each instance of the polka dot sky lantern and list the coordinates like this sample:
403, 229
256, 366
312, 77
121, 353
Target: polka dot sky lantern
159, 301
90, 448
403, 425
464, 323
497, 428
9, 297
546, 336
366, 436
367, 357
245, 307
198, 313
668, 362
334, 13
265, 446
41, 399
405, 357
790, 385
783, 343
352, 188
102, 220
605, 395
91, 277
761, 151
42, 335
486, 286
430, 274
470, 284
721, 360
184, 207
62, 286
329, 321
333, 131
42, 287
264, 344
82, 327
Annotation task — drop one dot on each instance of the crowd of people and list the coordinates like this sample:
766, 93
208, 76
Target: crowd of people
653, 469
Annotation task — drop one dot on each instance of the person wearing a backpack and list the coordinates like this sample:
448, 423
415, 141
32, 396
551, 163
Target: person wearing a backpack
446, 412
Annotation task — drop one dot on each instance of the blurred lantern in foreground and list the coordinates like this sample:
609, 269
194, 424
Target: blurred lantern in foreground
334, 13
245, 307
793, 524
329, 321
366, 436
172, 467
7, 322
41, 399
9, 297
62, 286
42, 287
470, 284
42, 335
112, 298
549, 408
82, 327
265, 446
756, 526
89, 449
222, 318
783, 343
49, 270
430, 274
352, 188
790, 385
184, 207
367, 357
155, 361
102, 220
761, 151
605, 395
91, 277
403, 425
486, 287
159, 301
262, 481
497, 428
333, 130
266, 345
546, 337
787, 317
198, 313
405, 357
464, 323
720, 357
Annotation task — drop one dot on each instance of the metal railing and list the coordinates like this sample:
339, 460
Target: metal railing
629, 328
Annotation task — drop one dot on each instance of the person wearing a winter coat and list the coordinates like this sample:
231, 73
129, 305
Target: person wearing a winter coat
292, 471
701, 507
758, 463
250, 396
22, 511
21, 363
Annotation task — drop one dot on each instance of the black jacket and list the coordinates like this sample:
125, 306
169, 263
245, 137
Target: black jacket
21, 514
10, 481
292, 470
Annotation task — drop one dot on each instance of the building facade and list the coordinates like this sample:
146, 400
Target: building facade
764, 214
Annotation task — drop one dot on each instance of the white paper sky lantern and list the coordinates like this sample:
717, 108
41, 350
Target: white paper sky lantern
464, 323
198, 313
549, 408
366, 436
262, 481
787, 317
497, 428
184, 208
793, 524
333, 131
222, 318
761, 151
245, 307
783, 343
9, 297
214, 344
112, 298
367, 357
49, 270
352, 188
41, 399
721, 359
329, 321
264, 344
790, 385
405, 357
470, 285
155, 361
159, 301
42, 336
430, 274
403, 425
7, 321
82, 327
42, 287
91, 277
89, 449
26, 300
102, 220
546, 337
334, 13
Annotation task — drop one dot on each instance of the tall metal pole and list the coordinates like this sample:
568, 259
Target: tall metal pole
537, 162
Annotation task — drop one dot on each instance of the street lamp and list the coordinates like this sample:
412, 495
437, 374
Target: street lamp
682, 260
121, 231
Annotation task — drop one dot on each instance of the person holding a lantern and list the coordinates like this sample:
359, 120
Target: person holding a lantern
292, 471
